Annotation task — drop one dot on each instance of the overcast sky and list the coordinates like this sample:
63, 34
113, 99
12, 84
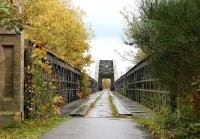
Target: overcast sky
107, 23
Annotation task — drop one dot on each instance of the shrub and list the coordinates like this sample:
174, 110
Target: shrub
41, 101
181, 124
85, 89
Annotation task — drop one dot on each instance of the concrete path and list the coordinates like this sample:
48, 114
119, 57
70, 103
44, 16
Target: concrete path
102, 107
98, 124
97, 128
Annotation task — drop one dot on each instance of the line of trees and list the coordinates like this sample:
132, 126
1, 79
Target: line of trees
168, 31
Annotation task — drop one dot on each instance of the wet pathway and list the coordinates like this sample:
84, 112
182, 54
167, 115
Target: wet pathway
98, 124
97, 128
102, 108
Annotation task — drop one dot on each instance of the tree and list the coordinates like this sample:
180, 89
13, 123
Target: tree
10, 16
85, 89
139, 56
131, 56
61, 26
57, 22
106, 83
169, 32
136, 34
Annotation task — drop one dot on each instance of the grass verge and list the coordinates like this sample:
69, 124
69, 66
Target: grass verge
31, 129
113, 107
150, 125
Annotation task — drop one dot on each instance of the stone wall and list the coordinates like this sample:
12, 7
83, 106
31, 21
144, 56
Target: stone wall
11, 77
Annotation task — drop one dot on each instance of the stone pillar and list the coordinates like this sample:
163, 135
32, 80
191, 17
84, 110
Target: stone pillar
11, 77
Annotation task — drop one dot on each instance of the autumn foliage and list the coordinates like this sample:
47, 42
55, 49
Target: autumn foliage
85, 89
57, 25
57, 22
62, 28
106, 83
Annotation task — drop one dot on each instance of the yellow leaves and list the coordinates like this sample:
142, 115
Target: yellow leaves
106, 83
58, 99
57, 103
85, 86
60, 26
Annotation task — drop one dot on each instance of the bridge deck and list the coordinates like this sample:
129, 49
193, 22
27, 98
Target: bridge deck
133, 107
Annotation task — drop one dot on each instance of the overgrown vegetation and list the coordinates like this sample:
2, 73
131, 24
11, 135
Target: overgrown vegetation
31, 129
168, 32
11, 16
180, 124
40, 101
85, 89
113, 107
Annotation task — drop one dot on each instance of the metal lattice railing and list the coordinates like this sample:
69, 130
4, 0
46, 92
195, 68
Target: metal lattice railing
67, 81
138, 85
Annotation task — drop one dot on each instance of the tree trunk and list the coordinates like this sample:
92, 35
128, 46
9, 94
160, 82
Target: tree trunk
173, 102
173, 96
196, 102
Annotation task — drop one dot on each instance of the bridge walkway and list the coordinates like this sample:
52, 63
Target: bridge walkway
135, 108
98, 124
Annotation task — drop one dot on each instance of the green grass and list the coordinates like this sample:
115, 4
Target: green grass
113, 108
150, 125
31, 129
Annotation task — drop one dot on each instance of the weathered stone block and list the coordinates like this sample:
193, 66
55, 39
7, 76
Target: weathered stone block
6, 119
11, 77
